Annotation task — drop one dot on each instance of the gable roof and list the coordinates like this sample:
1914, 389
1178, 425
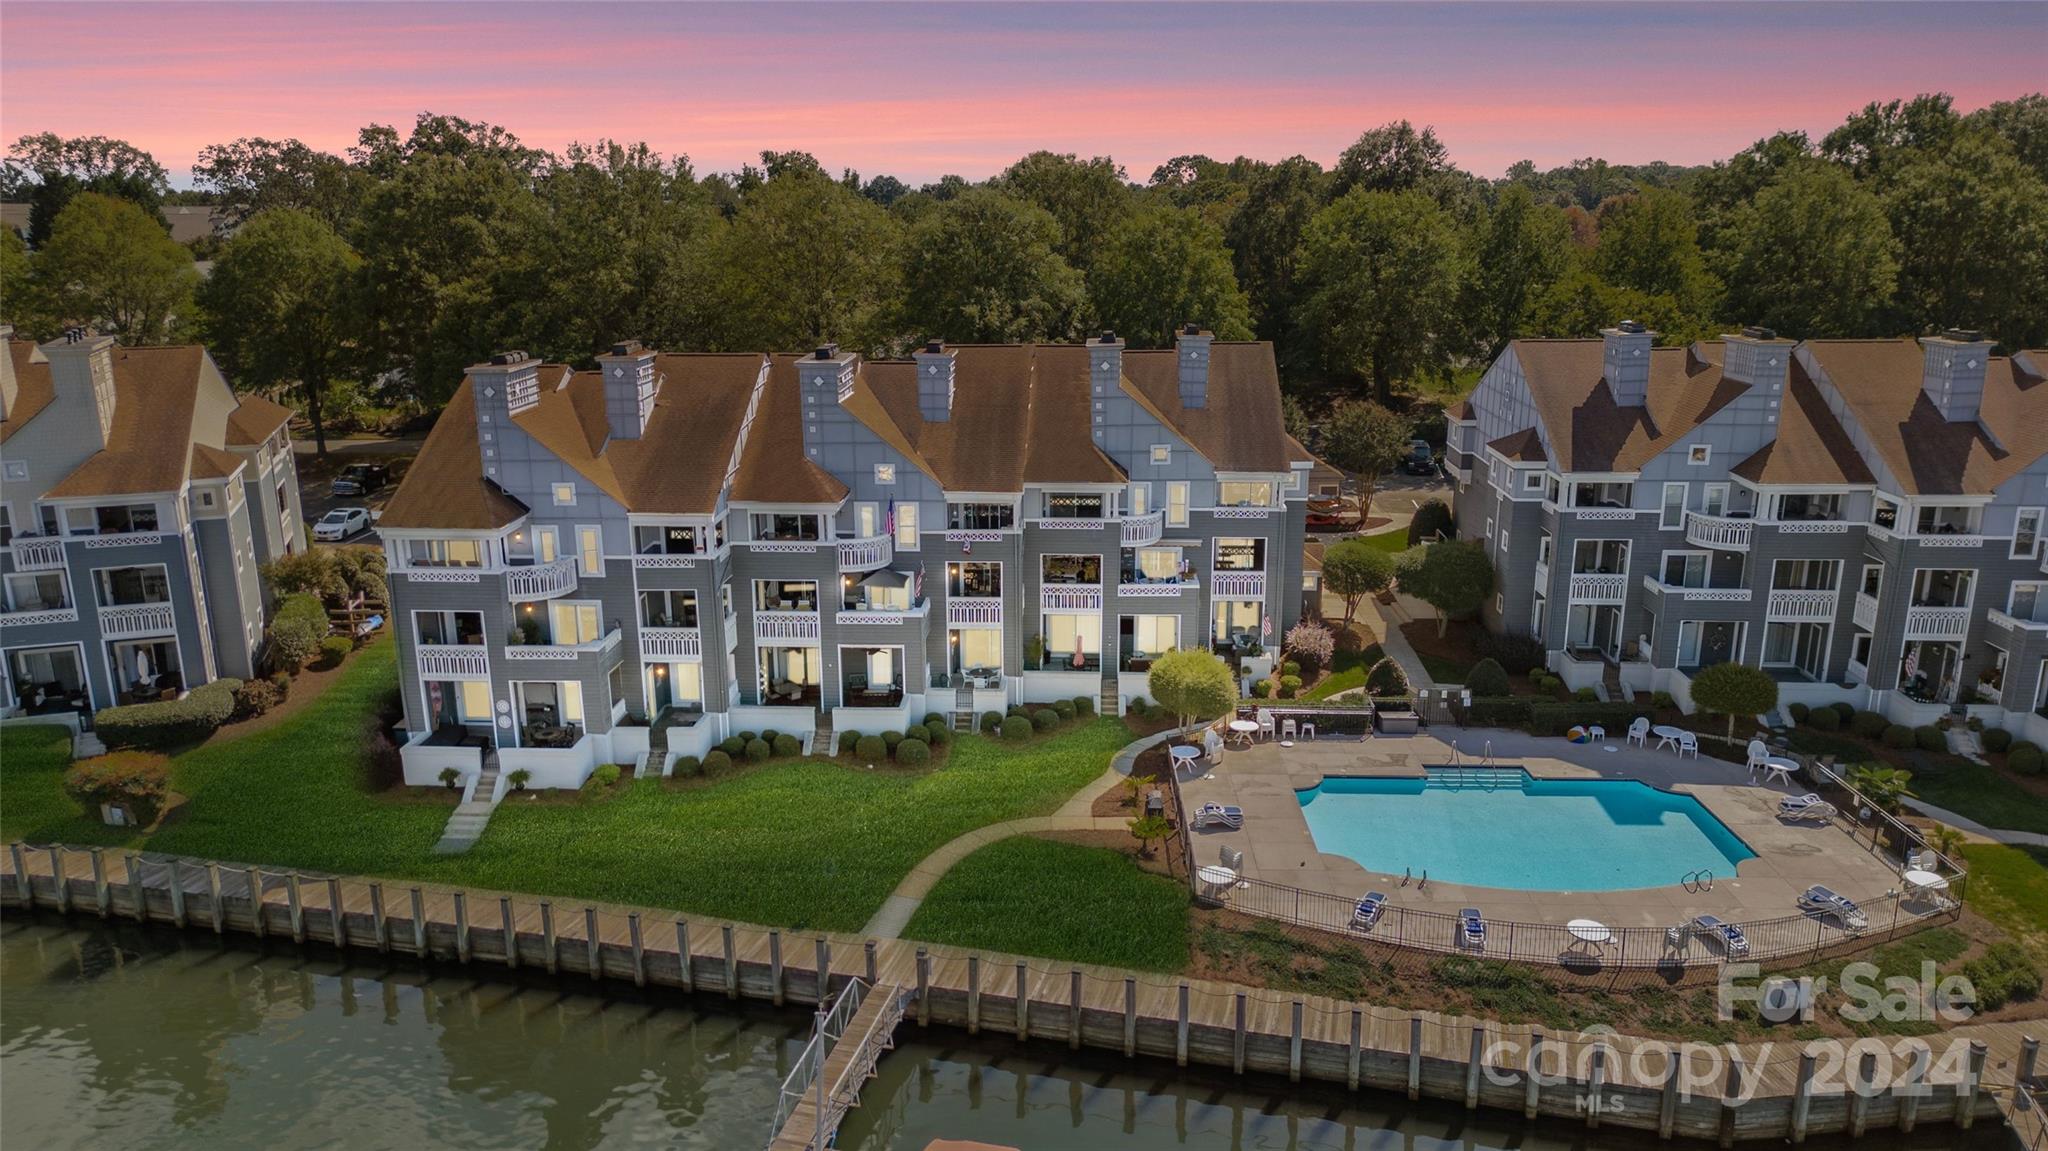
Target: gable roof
1926, 454
1810, 447
33, 388
1240, 429
774, 469
1590, 432
445, 487
149, 445
254, 419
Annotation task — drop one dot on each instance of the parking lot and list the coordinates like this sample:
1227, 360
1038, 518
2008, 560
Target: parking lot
316, 476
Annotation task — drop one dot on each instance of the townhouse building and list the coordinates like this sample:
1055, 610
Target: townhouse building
1861, 518
138, 496
640, 560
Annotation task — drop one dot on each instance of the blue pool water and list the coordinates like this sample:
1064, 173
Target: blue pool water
1521, 833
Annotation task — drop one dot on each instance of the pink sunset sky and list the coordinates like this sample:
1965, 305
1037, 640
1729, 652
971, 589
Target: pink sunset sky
922, 90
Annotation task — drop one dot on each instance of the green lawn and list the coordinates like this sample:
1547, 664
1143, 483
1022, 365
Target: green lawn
1347, 670
806, 843
2009, 886
1062, 901
1977, 792
1393, 541
33, 806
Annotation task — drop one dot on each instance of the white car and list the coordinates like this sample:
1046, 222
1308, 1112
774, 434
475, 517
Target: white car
341, 523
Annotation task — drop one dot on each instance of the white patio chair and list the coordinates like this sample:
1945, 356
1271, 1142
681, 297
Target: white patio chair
1596, 734
1758, 755
1639, 731
1287, 729
1212, 745
1266, 727
1308, 730
1688, 744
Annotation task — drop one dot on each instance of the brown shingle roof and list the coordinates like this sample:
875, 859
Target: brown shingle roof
149, 445
33, 388
254, 419
774, 468
1880, 381
1462, 410
213, 463
445, 487
1589, 432
1810, 447
1240, 429
1523, 447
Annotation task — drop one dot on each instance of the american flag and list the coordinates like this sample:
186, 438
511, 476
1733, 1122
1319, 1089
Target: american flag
1266, 627
889, 521
917, 589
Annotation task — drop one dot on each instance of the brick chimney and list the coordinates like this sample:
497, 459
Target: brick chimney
1625, 361
1191, 349
503, 386
935, 382
1952, 367
1757, 356
630, 385
82, 365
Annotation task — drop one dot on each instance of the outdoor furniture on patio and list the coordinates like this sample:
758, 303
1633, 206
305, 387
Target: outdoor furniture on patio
1308, 729
1471, 929
1730, 937
1595, 733
1803, 807
1688, 744
1639, 731
1266, 728
1367, 914
1778, 769
1821, 901
1667, 736
1242, 731
1184, 756
1217, 879
1590, 932
1212, 745
1220, 815
1390, 721
1287, 728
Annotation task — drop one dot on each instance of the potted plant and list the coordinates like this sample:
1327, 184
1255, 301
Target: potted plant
519, 779
449, 777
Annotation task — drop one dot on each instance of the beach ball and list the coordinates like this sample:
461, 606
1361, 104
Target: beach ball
1579, 735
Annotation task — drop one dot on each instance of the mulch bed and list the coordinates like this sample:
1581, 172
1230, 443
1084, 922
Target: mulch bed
1152, 764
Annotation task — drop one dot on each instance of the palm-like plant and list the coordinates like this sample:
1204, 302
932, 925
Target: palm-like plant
1946, 840
1882, 785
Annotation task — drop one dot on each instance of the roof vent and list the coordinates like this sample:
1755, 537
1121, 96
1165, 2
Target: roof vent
74, 335
1755, 332
1963, 335
826, 352
1191, 328
1632, 327
935, 346
626, 348
506, 359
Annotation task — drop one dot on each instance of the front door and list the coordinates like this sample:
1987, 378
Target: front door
660, 690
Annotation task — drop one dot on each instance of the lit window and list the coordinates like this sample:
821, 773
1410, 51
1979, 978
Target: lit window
590, 550
565, 495
906, 526
1162, 453
476, 700
885, 473
1177, 503
572, 701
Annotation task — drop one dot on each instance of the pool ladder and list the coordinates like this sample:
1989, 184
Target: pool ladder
1697, 881
1457, 755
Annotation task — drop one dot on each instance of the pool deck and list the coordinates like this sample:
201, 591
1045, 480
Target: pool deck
1278, 847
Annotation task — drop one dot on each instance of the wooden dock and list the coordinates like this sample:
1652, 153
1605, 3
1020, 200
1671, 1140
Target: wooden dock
1731, 1093
848, 1064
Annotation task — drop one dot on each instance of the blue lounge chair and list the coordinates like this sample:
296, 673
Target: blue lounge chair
1369, 910
1727, 934
1821, 901
1471, 929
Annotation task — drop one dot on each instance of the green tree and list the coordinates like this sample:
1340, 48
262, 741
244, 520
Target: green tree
1161, 266
1813, 256
1649, 242
16, 298
48, 170
252, 175
1873, 141
985, 267
1524, 247
1972, 225
1734, 689
1881, 784
1380, 273
1149, 829
279, 308
803, 261
1393, 157
1264, 234
1452, 576
1193, 684
2022, 123
1366, 440
1352, 570
1086, 197
109, 264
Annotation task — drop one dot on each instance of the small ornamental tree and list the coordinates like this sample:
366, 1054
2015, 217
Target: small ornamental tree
1452, 576
136, 782
1432, 518
1881, 784
1734, 689
1311, 644
1353, 570
1147, 829
1193, 684
1366, 440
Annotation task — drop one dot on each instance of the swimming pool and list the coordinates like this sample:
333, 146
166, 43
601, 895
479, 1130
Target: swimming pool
1502, 828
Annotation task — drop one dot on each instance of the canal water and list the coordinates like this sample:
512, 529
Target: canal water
114, 1036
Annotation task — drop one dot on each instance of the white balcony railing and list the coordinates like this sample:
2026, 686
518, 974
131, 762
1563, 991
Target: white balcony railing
1697, 594
974, 611
1797, 604
611, 640
38, 553
1951, 541
786, 626
1937, 622
1237, 585
1865, 612
453, 661
878, 617
1717, 532
672, 643
1997, 618
137, 619
1598, 587
122, 539
1154, 590
1145, 530
1070, 597
32, 617
541, 581
867, 554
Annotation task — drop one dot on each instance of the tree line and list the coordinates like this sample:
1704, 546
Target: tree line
416, 253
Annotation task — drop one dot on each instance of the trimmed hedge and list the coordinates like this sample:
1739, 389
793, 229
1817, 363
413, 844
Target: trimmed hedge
1898, 735
256, 697
135, 780
1045, 719
870, 748
170, 722
606, 775
1869, 724
716, 760
1487, 678
991, 722
2024, 758
1844, 709
932, 717
1064, 708
1824, 719
1798, 711
891, 738
1261, 689
785, 744
1083, 706
1930, 738
758, 750
913, 753
938, 734
334, 649
846, 741
1016, 729
1516, 654
733, 745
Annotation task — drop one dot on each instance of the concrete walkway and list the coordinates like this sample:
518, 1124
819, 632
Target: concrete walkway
1972, 827
1076, 814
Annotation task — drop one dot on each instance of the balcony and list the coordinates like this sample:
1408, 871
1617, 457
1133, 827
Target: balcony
1145, 530
857, 615
1598, 587
1724, 532
32, 617
127, 620
456, 661
1155, 589
2002, 619
563, 651
38, 553
1070, 597
1237, 585
540, 581
685, 644
1951, 540
1937, 622
866, 554
974, 611
1801, 604
122, 539
786, 627
1696, 594
1866, 611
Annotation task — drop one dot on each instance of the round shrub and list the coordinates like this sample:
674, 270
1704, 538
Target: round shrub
747, 737
758, 750
1869, 724
870, 748
1995, 739
1824, 719
2024, 758
170, 722
134, 780
1045, 719
1487, 678
932, 717
334, 649
1064, 708
1138, 705
937, 734
688, 765
1799, 711
1845, 710
1386, 678
1898, 735
1290, 686
913, 753
846, 741
1930, 738
891, 738
1016, 729
1019, 709
1261, 689
991, 722
1083, 706
255, 697
769, 734
1586, 695
786, 744
733, 745
1662, 700
715, 760
606, 774
1289, 667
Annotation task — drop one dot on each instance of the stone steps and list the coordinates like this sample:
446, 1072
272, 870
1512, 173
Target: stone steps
467, 824
1110, 704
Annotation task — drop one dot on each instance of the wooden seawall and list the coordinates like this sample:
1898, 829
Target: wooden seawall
1727, 1094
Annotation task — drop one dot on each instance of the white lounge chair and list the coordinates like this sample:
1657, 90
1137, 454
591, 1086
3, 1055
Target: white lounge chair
1219, 815
1639, 731
1821, 901
1804, 807
1471, 929
1368, 912
1729, 936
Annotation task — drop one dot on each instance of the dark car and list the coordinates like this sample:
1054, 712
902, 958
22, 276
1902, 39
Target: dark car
1421, 459
361, 480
